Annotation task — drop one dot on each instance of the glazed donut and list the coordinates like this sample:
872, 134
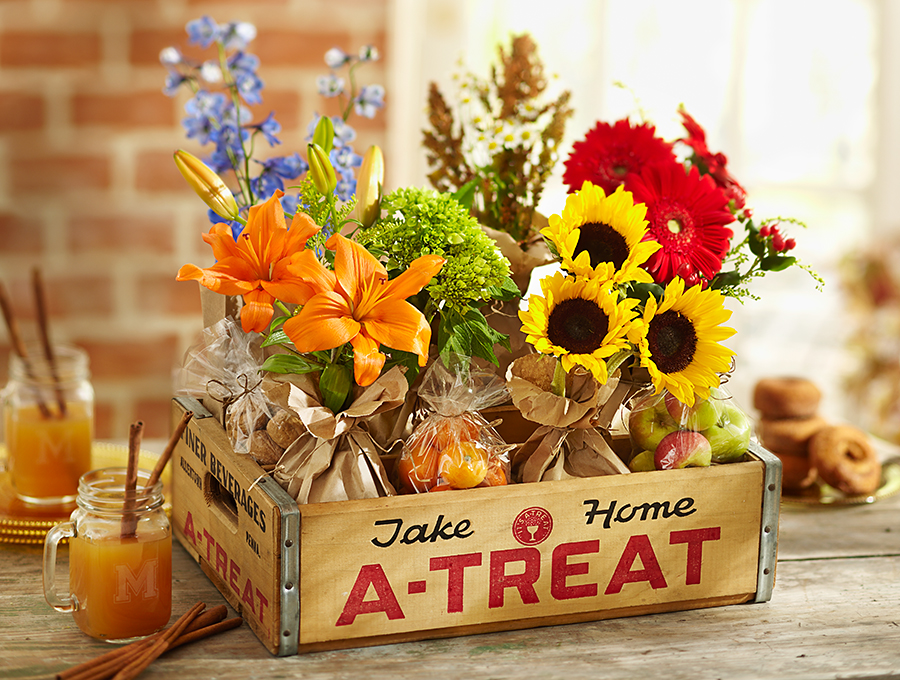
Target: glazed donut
796, 472
845, 459
786, 398
789, 436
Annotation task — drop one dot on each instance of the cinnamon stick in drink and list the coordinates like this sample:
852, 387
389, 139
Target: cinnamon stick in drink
129, 518
44, 328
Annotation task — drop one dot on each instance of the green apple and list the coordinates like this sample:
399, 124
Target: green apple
730, 436
681, 449
649, 422
642, 462
702, 415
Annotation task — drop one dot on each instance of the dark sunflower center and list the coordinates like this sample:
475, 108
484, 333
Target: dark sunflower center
673, 341
603, 244
577, 325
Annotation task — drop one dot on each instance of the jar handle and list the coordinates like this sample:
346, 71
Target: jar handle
65, 603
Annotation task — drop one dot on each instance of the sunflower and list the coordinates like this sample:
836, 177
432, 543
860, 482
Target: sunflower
600, 235
579, 320
609, 152
681, 347
687, 215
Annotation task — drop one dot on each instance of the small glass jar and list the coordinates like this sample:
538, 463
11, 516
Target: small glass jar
49, 424
120, 558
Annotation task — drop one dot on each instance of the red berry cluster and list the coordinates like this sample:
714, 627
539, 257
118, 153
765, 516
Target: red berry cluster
780, 244
690, 276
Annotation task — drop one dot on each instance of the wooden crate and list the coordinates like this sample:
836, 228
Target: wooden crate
355, 573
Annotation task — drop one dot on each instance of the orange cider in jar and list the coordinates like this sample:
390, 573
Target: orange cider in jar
120, 557
123, 586
47, 455
48, 419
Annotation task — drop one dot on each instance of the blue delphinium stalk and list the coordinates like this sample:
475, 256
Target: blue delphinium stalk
217, 112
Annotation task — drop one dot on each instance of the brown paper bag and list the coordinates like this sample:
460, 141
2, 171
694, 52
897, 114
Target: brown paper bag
568, 443
336, 459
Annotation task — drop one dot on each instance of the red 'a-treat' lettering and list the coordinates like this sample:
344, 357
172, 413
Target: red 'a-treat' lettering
455, 564
523, 582
562, 569
694, 539
637, 546
370, 575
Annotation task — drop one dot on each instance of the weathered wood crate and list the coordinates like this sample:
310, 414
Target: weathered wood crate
356, 573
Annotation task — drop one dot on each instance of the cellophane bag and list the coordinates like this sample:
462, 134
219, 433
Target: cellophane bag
454, 446
222, 369
667, 434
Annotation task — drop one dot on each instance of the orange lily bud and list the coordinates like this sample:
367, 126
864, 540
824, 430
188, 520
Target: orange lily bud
321, 171
208, 185
370, 186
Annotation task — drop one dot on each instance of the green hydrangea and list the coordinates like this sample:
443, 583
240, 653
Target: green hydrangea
421, 222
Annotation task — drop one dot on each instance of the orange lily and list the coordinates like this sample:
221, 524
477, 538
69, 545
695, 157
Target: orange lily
360, 306
256, 264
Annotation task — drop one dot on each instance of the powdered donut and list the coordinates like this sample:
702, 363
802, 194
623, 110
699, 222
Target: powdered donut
796, 472
786, 398
790, 435
845, 459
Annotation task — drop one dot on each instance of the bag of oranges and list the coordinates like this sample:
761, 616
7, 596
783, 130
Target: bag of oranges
454, 447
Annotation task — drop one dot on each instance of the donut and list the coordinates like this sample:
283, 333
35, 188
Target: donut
845, 459
777, 398
789, 435
796, 472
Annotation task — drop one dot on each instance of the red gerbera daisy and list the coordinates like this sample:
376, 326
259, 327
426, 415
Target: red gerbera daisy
713, 163
609, 152
687, 214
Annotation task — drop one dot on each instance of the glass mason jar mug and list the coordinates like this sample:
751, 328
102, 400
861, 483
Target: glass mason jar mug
49, 421
120, 558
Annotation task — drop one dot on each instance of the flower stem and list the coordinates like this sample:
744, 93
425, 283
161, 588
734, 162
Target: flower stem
558, 386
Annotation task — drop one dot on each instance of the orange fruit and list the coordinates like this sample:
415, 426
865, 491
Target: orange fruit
417, 468
463, 464
451, 429
496, 473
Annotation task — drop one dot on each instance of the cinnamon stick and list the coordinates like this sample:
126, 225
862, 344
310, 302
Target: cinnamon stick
159, 646
106, 665
170, 447
44, 328
18, 345
129, 518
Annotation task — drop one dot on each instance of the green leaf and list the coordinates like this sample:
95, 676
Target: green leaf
508, 290
756, 243
643, 291
465, 195
278, 337
290, 363
409, 360
336, 384
776, 263
469, 335
723, 279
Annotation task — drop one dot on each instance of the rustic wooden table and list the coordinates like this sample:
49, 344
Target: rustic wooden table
835, 613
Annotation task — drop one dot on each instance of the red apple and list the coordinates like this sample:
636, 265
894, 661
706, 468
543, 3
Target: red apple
701, 416
649, 422
684, 448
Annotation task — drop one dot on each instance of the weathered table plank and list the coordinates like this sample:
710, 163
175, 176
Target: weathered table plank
828, 618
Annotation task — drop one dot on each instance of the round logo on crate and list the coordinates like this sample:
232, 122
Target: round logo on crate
532, 526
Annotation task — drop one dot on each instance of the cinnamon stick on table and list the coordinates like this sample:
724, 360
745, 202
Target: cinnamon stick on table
44, 328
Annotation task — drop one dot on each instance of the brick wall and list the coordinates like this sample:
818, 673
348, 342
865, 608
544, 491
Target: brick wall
89, 192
